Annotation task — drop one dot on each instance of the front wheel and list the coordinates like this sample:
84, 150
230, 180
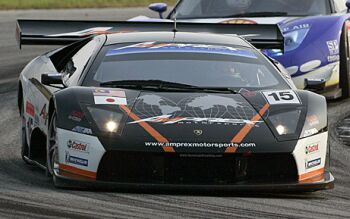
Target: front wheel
52, 148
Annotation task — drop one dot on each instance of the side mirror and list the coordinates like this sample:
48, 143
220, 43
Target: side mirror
159, 7
50, 79
348, 5
315, 84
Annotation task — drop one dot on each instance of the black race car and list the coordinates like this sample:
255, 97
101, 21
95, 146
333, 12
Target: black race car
168, 109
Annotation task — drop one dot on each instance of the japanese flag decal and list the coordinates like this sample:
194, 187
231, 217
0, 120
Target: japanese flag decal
281, 97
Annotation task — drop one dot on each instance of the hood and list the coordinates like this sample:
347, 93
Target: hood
192, 117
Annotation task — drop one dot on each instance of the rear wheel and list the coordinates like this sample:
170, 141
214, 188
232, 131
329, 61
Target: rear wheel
344, 71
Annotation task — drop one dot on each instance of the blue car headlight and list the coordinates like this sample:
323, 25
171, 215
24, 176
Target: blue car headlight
293, 39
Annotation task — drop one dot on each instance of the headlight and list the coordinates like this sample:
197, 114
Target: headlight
112, 126
106, 120
281, 129
286, 124
292, 40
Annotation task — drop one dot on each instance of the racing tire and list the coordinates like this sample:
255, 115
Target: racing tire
24, 142
344, 71
52, 149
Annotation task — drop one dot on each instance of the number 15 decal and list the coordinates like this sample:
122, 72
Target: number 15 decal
281, 97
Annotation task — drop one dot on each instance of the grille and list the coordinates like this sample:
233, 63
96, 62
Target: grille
163, 168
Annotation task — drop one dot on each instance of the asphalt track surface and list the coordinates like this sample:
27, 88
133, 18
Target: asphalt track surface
25, 192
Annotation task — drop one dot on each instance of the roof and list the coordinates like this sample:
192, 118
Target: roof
178, 37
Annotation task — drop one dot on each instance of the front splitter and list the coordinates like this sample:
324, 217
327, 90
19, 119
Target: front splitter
325, 184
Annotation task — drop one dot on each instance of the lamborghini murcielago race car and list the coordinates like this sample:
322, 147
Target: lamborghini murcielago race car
145, 108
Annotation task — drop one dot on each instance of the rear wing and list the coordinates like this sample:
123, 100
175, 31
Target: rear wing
62, 32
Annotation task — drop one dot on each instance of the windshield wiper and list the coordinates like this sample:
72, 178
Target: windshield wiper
259, 14
144, 83
159, 85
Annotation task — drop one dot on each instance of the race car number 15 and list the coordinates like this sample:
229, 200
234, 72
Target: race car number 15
281, 97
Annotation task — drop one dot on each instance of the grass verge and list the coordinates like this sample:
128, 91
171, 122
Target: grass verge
52, 4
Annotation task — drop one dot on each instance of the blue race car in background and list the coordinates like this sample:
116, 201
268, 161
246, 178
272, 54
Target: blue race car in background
316, 40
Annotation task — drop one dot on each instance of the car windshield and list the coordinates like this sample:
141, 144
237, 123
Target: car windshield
190, 64
188, 9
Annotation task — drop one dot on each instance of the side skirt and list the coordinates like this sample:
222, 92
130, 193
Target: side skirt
33, 162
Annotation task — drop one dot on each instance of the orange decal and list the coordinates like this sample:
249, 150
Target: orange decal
154, 133
77, 171
311, 175
231, 150
169, 149
246, 129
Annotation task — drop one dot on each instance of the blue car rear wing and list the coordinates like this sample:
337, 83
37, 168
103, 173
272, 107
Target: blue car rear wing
62, 32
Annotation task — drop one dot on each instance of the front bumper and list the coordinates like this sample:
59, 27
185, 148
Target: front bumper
326, 183
208, 172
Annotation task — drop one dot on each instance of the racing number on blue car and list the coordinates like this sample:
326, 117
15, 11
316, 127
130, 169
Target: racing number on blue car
281, 97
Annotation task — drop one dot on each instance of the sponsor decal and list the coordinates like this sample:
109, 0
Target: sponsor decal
333, 58
310, 149
78, 146
310, 132
312, 120
30, 109
313, 163
281, 97
76, 116
333, 47
200, 145
177, 47
109, 97
76, 160
167, 120
296, 27
82, 130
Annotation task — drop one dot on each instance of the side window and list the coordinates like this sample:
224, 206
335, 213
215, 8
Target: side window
283, 72
340, 5
77, 63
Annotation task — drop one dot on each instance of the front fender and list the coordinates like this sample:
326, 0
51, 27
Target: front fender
68, 108
316, 120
